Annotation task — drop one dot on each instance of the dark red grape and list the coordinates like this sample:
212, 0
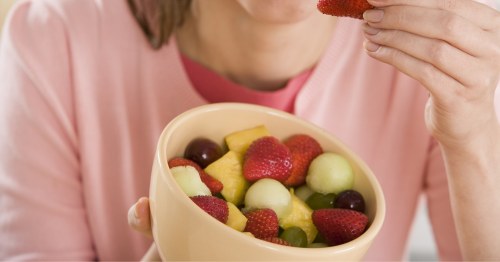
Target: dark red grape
203, 151
350, 199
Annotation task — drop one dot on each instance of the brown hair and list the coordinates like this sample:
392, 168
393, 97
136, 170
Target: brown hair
158, 19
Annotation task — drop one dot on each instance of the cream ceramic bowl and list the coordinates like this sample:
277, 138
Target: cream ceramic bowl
183, 231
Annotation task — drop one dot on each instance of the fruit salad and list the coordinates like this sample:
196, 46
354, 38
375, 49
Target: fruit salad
286, 191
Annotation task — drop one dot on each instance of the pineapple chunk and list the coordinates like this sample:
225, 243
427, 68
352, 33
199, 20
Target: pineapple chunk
229, 171
248, 234
236, 219
240, 141
301, 216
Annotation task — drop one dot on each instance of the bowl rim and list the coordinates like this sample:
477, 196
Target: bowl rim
368, 236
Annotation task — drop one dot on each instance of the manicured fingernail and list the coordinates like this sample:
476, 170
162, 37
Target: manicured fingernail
371, 47
373, 15
375, 2
370, 30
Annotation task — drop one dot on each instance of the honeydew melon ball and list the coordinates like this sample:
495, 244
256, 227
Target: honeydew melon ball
269, 193
330, 173
189, 180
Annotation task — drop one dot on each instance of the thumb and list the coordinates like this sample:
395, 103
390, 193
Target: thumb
139, 218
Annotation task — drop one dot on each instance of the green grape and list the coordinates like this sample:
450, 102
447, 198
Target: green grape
319, 201
295, 236
317, 245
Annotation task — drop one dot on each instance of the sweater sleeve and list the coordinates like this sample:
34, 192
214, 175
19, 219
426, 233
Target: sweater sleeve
42, 212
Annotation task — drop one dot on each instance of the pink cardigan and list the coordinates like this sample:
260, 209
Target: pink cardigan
83, 99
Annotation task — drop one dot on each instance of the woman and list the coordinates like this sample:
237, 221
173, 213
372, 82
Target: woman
85, 95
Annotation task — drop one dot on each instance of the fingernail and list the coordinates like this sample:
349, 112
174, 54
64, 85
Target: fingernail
373, 15
374, 2
370, 46
370, 30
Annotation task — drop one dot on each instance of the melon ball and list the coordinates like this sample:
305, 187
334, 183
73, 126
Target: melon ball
269, 193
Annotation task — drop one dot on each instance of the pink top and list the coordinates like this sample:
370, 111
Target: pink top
83, 101
215, 88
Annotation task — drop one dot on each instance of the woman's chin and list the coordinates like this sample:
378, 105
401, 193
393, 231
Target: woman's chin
279, 11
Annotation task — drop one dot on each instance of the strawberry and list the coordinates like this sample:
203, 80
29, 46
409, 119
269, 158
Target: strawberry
267, 157
214, 206
304, 149
277, 240
213, 184
347, 8
262, 223
338, 226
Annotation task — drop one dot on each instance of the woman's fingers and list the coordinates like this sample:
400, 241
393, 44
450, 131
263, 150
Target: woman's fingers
438, 83
138, 216
454, 41
139, 219
436, 24
480, 14
433, 51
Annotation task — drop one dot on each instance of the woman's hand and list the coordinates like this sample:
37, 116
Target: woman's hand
139, 219
452, 47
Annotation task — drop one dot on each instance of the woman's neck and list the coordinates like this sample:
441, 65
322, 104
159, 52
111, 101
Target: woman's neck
259, 55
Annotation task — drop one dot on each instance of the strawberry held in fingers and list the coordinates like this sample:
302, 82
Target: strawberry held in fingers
344, 8
267, 157
339, 226
304, 149
212, 183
